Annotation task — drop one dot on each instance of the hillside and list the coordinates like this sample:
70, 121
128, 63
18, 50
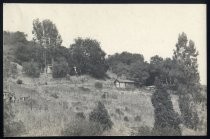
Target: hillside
49, 108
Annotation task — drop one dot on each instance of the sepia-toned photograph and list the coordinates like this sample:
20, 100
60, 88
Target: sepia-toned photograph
104, 70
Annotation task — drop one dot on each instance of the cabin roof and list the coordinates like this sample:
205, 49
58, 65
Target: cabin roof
124, 81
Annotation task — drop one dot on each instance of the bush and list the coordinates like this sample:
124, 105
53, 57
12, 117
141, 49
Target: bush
19, 81
60, 68
31, 69
82, 127
100, 115
84, 89
137, 118
118, 111
80, 115
103, 96
126, 119
98, 85
54, 95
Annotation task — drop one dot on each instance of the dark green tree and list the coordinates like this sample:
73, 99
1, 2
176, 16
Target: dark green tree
121, 63
139, 72
14, 37
46, 33
88, 57
154, 69
31, 69
188, 84
47, 36
166, 120
100, 115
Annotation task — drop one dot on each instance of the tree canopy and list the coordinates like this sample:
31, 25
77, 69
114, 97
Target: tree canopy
46, 33
88, 57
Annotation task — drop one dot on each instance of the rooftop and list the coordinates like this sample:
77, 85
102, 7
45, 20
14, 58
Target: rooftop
124, 81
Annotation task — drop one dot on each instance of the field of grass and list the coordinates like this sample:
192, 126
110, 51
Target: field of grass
50, 107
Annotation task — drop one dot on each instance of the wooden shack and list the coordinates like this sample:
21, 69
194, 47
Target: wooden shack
124, 83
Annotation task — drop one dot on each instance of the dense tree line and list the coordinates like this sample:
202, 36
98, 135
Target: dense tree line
84, 54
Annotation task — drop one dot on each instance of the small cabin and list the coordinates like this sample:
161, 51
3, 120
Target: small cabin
124, 83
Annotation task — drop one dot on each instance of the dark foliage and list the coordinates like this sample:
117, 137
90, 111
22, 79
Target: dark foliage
189, 114
19, 81
126, 119
31, 69
100, 115
137, 118
132, 66
88, 57
80, 115
165, 117
14, 37
60, 68
188, 86
98, 85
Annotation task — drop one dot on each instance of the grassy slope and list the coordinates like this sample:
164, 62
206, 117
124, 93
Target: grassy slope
48, 114
45, 115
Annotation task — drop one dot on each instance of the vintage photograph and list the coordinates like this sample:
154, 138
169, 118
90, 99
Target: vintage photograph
104, 70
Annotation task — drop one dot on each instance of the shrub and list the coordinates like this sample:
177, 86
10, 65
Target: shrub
100, 115
84, 89
60, 68
19, 81
31, 69
103, 96
137, 118
126, 119
54, 95
98, 85
118, 111
126, 109
80, 115
82, 127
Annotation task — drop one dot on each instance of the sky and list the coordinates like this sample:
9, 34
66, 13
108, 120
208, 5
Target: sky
148, 29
